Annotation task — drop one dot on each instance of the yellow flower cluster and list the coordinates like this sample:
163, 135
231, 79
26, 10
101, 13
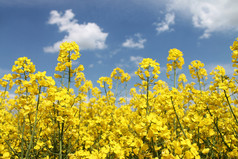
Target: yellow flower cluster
23, 64
176, 56
119, 74
196, 69
181, 80
66, 56
105, 80
198, 72
148, 66
234, 48
46, 121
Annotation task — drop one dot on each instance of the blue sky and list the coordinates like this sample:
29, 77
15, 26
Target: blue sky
117, 33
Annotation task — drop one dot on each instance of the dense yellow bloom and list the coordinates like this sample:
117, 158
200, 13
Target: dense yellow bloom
119, 74
68, 52
182, 78
105, 80
48, 120
176, 56
234, 48
150, 69
23, 64
198, 72
234, 56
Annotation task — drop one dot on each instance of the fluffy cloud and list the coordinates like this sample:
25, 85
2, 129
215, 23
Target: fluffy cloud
87, 36
209, 15
91, 66
99, 61
132, 43
136, 59
166, 23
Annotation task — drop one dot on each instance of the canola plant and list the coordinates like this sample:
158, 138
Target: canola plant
186, 120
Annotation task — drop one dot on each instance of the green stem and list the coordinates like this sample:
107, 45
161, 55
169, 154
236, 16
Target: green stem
126, 92
61, 131
198, 138
199, 82
12, 150
174, 77
216, 125
60, 142
62, 79
178, 117
34, 127
147, 96
153, 148
69, 73
54, 123
218, 130
229, 104
116, 88
175, 127
71, 146
4, 96
22, 138
105, 90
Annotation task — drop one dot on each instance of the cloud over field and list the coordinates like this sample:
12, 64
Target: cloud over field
136, 60
136, 42
165, 25
86, 35
208, 15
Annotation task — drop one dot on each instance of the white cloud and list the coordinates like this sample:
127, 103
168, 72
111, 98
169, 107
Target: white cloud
209, 15
166, 23
136, 60
99, 62
87, 36
91, 66
138, 43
